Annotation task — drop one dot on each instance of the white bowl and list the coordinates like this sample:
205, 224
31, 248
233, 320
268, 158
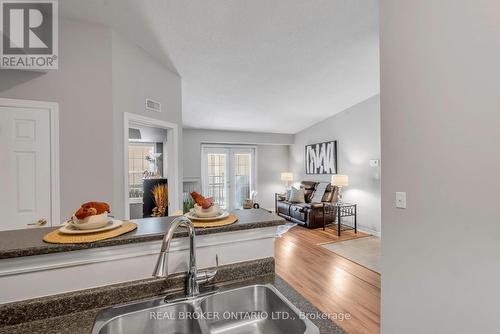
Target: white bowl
212, 211
90, 222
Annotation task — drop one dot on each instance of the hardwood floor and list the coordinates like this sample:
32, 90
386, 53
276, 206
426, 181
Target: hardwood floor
330, 282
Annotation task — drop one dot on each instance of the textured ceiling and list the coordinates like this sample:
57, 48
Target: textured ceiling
260, 65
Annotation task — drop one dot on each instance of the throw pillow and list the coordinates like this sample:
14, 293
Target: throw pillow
297, 195
320, 192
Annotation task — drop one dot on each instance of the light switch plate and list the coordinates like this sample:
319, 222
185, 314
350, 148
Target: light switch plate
374, 163
401, 200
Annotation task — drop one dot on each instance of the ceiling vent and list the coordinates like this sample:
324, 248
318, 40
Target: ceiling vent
152, 105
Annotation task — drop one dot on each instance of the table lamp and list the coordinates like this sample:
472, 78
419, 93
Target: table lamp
287, 177
340, 181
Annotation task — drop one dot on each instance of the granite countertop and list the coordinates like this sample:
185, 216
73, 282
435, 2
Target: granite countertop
28, 242
82, 322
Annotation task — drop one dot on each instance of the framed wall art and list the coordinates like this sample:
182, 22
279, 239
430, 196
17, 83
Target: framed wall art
321, 158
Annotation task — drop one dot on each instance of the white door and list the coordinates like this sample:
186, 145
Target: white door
228, 174
215, 174
242, 169
25, 167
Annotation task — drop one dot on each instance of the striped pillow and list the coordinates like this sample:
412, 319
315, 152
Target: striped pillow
319, 192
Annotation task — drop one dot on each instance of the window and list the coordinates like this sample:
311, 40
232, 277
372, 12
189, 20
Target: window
228, 174
137, 164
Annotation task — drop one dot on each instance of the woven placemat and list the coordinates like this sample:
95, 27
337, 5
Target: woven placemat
231, 219
56, 237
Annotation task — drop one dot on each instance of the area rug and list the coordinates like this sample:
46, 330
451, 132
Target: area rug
364, 251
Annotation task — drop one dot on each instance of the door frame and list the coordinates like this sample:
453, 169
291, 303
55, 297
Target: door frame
229, 147
53, 109
172, 158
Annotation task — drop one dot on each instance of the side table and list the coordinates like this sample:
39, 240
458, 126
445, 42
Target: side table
341, 210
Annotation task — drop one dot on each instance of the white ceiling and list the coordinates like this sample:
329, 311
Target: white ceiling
260, 65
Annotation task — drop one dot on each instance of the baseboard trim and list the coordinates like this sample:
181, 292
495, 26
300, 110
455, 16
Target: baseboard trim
369, 231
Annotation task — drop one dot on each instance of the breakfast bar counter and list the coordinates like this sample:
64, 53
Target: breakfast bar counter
28, 242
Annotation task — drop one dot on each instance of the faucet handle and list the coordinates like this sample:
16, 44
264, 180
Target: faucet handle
205, 276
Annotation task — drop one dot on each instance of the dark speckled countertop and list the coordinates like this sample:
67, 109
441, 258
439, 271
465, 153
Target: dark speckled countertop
29, 242
75, 312
82, 322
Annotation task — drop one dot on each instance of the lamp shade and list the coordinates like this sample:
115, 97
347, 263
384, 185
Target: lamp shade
286, 176
340, 180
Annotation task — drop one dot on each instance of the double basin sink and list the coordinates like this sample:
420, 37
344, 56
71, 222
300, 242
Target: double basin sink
250, 309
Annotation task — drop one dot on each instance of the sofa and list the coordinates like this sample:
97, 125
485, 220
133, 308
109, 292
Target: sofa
307, 214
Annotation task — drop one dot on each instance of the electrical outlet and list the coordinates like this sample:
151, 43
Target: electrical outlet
401, 200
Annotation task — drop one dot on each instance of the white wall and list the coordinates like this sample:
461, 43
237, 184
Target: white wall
137, 76
440, 79
150, 134
357, 131
272, 157
82, 87
100, 76
273, 160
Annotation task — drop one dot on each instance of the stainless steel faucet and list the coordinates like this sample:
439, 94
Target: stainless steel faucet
194, 277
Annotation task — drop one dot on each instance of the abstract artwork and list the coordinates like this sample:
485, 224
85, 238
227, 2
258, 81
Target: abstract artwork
321, 158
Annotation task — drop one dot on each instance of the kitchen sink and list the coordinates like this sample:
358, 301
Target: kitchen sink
246, 310
152, 320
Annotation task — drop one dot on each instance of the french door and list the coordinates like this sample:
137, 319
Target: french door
228, 174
